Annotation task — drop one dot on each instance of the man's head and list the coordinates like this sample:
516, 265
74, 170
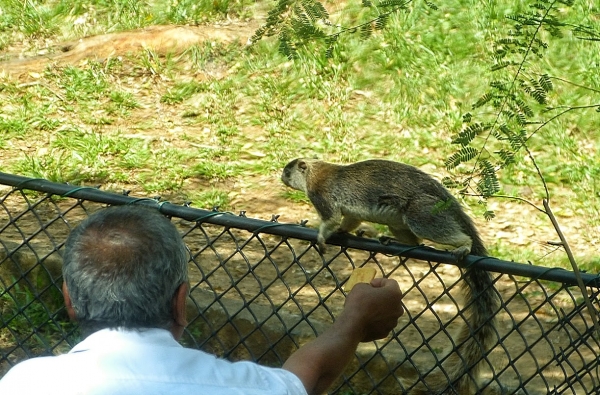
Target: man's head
126, 266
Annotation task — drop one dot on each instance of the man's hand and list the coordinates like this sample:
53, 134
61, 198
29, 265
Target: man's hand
371, 311
373, 308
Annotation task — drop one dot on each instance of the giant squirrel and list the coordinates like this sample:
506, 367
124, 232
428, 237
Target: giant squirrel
415, 207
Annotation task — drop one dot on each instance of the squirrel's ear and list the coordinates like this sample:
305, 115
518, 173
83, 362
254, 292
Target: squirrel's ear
302, 166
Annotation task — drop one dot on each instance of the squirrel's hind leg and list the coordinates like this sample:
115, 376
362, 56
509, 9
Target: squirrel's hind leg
349, 223
405, 236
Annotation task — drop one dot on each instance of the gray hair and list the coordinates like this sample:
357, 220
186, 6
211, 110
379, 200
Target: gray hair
122, 267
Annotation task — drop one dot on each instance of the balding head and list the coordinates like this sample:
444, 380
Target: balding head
122, 267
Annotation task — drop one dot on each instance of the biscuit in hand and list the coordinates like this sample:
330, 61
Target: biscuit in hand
360, 275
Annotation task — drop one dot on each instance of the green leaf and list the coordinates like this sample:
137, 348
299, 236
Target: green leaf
300, 16
431, 5
489, 215
465, 154
468, 134
523, 108
501, 65
286, 47
508, 41
539, 96
442, 206
258, 34
502, 86
451, 183
517, 140
315, 10
304, 28
509, 113
394, 3
331, 41
483, 100
546, 83
329, 52
508, 157
540, 6
488, 185
381, 21
366, 30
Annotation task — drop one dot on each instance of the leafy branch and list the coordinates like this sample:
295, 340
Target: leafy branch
298, 22
513, 112
516, 102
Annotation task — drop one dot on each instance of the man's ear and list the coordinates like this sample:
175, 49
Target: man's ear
179, 310
68, 303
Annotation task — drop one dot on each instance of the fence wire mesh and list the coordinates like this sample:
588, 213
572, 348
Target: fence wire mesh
260, 289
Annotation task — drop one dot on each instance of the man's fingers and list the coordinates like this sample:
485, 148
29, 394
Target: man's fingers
377, 282
384, 282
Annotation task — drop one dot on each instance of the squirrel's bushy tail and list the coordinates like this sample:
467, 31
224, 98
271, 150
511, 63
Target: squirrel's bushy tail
461, 368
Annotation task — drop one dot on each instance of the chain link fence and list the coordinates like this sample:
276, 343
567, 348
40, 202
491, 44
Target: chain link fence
260, 289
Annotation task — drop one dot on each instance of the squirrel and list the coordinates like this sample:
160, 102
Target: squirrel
415, 207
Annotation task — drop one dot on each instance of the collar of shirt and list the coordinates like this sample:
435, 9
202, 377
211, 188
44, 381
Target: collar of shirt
107, 339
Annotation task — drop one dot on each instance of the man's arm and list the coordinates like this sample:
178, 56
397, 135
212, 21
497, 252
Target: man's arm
370, 313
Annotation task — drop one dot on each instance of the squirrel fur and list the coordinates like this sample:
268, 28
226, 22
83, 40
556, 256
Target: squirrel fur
415, 207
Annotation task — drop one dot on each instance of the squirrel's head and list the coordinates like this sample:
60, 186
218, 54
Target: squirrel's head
294, 173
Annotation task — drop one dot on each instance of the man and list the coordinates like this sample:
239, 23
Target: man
125, 282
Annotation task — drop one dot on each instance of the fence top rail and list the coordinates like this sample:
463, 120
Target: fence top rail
298, 231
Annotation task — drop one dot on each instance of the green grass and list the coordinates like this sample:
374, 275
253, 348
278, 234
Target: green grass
122, 102
83, 85
226, 112
23, 310
182, 91
296, 196
210, 198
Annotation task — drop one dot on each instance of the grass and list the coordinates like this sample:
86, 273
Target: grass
225, 112
21, 310
122, 102
182, 91
296, 196
211, 198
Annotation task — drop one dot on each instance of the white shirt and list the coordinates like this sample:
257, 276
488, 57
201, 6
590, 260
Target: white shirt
144, 362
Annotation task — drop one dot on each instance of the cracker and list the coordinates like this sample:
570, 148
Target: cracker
360, 275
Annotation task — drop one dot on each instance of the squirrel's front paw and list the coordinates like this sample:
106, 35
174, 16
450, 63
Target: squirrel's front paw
461, 252
321, 244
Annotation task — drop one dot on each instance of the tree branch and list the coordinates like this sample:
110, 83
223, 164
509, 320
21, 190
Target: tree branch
580, 283
520, 199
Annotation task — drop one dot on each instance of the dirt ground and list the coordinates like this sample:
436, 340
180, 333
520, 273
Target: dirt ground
518, 224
